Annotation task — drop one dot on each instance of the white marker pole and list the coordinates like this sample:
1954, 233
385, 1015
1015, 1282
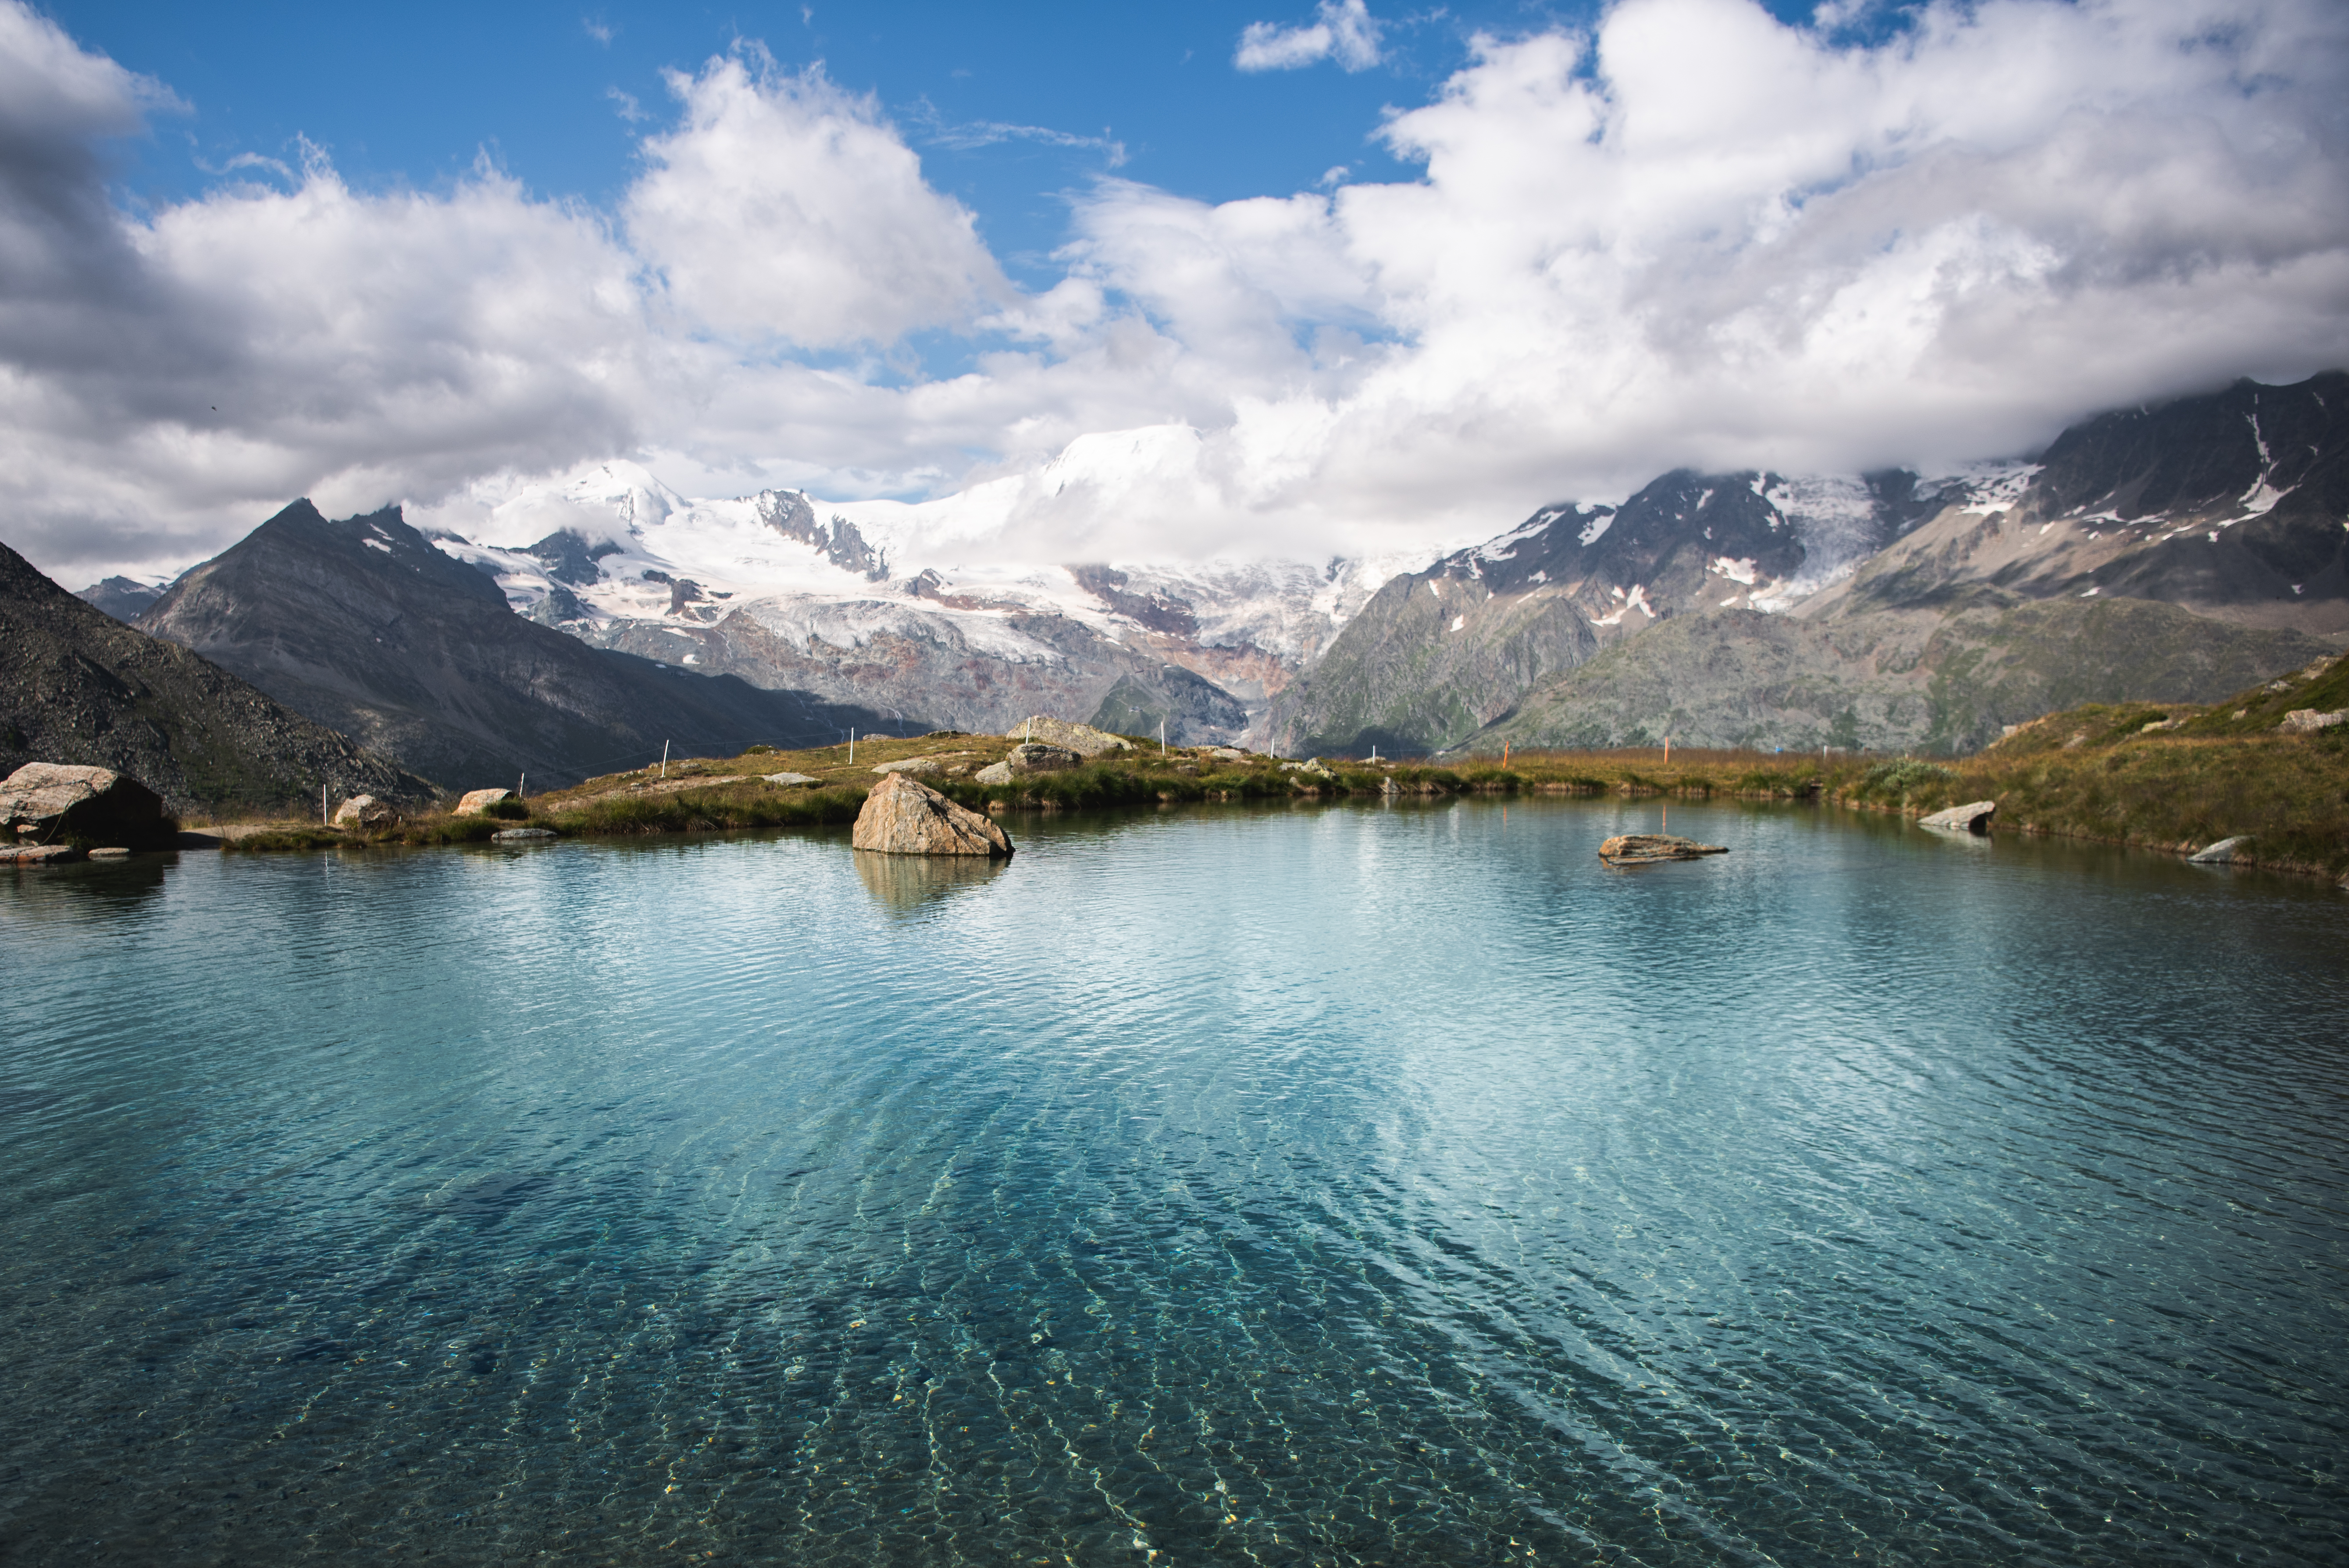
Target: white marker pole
664, 758
322, 805
1161, 738
852, 744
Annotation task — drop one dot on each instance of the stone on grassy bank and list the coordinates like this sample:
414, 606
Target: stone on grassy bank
476, 801
2307, 720
363, 811
921, 767
1973, 818
905, 817
47, 802
788, 780
2220, 853
1082, 738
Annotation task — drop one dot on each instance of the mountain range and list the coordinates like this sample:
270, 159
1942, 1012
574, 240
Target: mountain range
2176, 551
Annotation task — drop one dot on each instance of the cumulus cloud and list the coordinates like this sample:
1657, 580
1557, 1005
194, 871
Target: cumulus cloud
1344, 31
784, 208
1690, 234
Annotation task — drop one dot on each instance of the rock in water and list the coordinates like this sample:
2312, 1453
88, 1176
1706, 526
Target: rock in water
2220, 853
49, 801
1040, 757
905, 817
363, 811
1970, 818
476, 802
1646, 849
1082, 738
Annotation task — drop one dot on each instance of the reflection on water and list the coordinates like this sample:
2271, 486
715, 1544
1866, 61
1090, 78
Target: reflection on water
908, 882
1341, 1185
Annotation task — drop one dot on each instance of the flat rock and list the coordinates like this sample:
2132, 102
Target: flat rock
1646, 849
921, 767
1082, 738
37, 854
904, 816
2306, 720
1039, 757
111, 852
788, 780
476, 801
517, 835
53, 800
1969, 819
2220, 854
1227, 754
363, 811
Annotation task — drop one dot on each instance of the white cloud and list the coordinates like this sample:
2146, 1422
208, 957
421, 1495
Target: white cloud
1344, 31
1692, 235
782, 208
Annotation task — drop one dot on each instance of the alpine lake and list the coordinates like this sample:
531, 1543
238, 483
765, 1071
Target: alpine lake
1327, 1184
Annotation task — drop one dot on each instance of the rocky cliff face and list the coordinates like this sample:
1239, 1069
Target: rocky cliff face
365, 626
78, 686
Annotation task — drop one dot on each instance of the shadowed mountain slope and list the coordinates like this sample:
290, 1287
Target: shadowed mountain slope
365, 626
78, 686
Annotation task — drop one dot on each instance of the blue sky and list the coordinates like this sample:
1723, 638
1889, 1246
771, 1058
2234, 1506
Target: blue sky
1297, 278
415, 93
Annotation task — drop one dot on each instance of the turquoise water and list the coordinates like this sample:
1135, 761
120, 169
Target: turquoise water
1335, 1185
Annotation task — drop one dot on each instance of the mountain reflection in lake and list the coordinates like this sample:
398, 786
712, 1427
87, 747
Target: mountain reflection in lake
1336, 1186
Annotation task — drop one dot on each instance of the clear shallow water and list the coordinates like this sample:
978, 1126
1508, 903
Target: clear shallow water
1342, 1185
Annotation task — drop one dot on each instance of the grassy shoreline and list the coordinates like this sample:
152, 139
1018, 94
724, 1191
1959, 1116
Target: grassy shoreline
2166, 776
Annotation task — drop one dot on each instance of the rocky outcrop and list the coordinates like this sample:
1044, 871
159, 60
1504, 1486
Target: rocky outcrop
476, 801
2308, 721
1974, 818
48, 804
905, 817
1647, 849
363, 811
2221, 853
1082, 738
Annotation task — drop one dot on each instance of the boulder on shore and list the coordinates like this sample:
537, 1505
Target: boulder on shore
993, 773
49, 802
1970, 818
476, 801
37, 854
1647, 849
2220, 853
904, 816
363, 811
1082, 738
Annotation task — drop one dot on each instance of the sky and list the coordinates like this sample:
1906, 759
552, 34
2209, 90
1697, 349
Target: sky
1393, 276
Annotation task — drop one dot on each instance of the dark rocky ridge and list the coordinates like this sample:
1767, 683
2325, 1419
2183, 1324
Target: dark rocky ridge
78, 686
365, 626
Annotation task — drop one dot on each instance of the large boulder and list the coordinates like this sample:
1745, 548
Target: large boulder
1974, 818
363, 811
53, 802
476, 801
905, 817
1082, 738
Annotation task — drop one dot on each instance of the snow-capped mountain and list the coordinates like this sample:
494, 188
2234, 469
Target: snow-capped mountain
785, 587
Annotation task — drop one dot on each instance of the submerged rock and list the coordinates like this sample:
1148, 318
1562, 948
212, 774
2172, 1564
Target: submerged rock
2220, 853
1970, 819
519, 835
49, 801
363, 811
1082, 738
905, 817
476, 801
1646, 849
